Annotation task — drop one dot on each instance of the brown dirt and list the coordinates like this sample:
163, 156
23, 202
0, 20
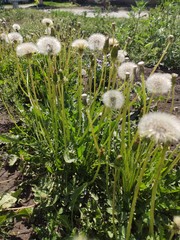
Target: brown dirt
10, 177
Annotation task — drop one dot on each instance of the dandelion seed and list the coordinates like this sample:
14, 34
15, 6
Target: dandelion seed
48, 45
161, 127
126, 67
96, 41
47, 21
14, 37
16, 27
80, 44
121, 56
26, 49
159, 83
113, 99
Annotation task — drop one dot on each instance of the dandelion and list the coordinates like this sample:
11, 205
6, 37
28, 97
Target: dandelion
47, 21
16, 27
14, 37
80, 44
112, 42
80, 237
3, 37
126, 67
48, 45
113, 99
161, 127
26, 49
159, 83
176, 220
96, 41
121, 56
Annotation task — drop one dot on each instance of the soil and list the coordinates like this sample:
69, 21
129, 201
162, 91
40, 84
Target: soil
10, 177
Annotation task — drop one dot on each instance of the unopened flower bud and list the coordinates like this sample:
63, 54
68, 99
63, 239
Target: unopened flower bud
106, 46
174, 77
113, 26
114, 52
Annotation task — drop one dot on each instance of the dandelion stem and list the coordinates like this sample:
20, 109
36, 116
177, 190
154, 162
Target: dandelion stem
154, 189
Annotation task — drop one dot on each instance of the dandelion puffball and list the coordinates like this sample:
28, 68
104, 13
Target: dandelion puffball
96, 41
161, 127
14, 37
121, 55
159, 83
48, 45
126, 67
113, 99
47, 21
27, 48
80, 44
16, 27
176, 220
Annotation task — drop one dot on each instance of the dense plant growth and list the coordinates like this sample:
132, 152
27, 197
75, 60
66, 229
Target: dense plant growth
93, 150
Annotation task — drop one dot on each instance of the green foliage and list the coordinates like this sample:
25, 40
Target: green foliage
85, 164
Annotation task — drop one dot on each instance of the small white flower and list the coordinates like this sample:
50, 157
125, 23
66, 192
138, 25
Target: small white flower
113, 99
159, 83
26, 49
16, 27
126, 67
121, 56
47, 21
14, 37
96, 41
80, 44
48, 45
161, 127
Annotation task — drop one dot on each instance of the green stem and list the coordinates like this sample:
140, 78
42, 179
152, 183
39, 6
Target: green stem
154, 190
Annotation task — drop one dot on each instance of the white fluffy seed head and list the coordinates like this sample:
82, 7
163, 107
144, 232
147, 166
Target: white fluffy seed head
112, 42
27, 48
113, 99
96, 41
3, 37
16, 27
14, 37
126, 67
161, 127
48, 45
121, 56
80, 44
176, 220
47, 22
159, 83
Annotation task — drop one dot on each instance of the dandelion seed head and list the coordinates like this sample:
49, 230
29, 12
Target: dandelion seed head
159, 83
27, 48
96, 41
48, 45
161, 127
80, 44
126, 67
16, 27
113, 99
3, 36
176, 220
47, 21
14, 37
112, 42
121, 55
